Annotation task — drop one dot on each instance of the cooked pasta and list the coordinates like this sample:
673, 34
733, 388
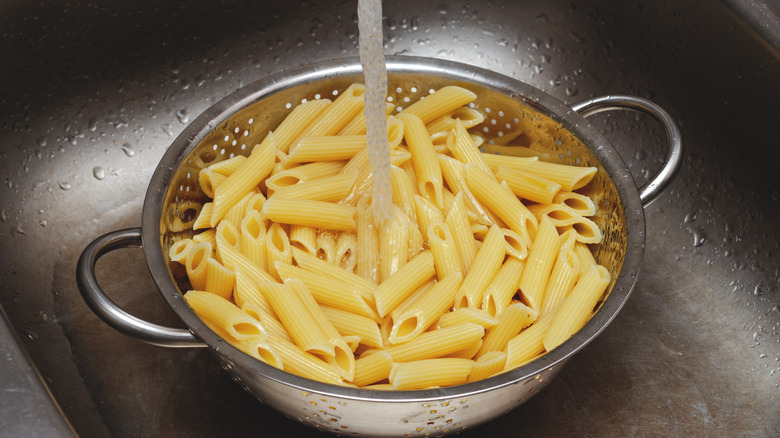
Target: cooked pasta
482, 266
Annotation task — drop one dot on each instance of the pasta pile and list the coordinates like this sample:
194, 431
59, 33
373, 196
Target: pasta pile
482, 267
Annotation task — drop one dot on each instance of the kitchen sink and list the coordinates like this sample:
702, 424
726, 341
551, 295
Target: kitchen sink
93, 93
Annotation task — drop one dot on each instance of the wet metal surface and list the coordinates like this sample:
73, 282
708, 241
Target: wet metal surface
92, 94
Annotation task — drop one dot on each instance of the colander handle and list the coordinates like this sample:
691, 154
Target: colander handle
112, 314
650, 191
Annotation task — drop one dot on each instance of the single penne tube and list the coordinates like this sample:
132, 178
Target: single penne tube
512, 321
583, 205
303, 239
304, 364
462, 147
296, 122
227, 167
439, 103
458, 222
326, 247
298, 321
209, 236
427, 213
516, 245
503, 286
336, 115
486, 264
203, 220
219, 279
273, 327
372, 368
345, 251
253, 238
538, 266
569, 177
256, 168
445, 252
437, 343
410, 301
197, 262
357, 125
208, 180
348, 323
576, 309
584, 256
178, 250
220, 312
367, 263
315, 264
403, 192
394, 241
564, 275
231, 256
228, 240
329, 291
255, 203
330, 148
426, 163
561, 215
237, 212
468, 117
247, 291
317, 214
261, 349
501, 201
529, 186
467, 353
467, 314
396, 288
343, 359
587, 230
426, 310
528, 344
306, 172
277, 249
494, 161
487, 365
428, 373
329, 189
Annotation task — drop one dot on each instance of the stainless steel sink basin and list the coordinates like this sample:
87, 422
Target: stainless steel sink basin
93, 93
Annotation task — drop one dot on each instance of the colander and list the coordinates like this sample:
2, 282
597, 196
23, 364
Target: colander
512, 109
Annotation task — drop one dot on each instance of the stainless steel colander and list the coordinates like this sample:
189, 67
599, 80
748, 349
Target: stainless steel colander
235, 124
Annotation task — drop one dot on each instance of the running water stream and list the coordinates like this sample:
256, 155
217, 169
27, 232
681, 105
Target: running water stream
375, 76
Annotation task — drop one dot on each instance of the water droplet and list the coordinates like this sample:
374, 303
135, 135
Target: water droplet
690, 217
65, 185
127, 148
757, 291
572, 91
183, 115
166, 127
43, 223
31, 335
92, 125
98, 172
41, 141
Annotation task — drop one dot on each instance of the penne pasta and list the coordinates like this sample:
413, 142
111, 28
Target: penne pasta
244, 179
430, 373
426, 164
317, 214
426, 310
486, 264
536, 272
